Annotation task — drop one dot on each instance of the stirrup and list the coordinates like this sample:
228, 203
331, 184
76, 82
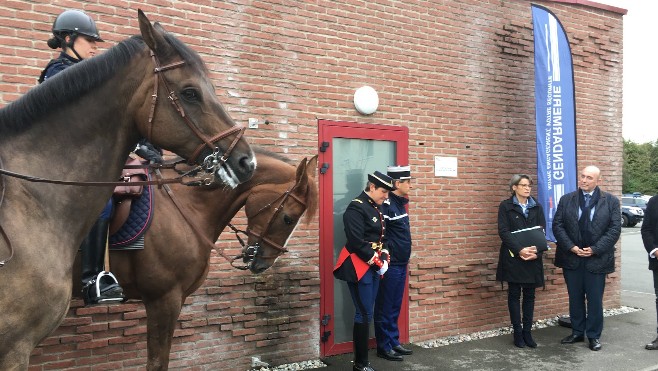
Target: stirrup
112, 285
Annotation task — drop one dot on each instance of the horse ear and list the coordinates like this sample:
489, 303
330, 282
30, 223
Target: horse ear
312, 166
153, 36
301, 177
159, 27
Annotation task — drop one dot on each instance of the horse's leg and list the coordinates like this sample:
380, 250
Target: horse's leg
39, 320
34, 302
161, 316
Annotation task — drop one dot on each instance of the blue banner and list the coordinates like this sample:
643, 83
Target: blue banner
555, 113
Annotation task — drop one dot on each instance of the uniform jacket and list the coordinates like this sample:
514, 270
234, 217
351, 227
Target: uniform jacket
605, 227
511, 268
364, 224
398, 231
57, 65
650, 230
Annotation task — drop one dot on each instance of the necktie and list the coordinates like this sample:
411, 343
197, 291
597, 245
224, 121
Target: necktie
587, 198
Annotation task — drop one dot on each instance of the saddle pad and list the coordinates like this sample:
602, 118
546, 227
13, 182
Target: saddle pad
137, 244
136, 225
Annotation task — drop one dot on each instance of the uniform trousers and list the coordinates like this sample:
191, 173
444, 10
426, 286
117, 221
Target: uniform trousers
586, 319
363, 295
387, 307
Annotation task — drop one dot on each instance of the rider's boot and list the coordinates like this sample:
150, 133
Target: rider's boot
98, 287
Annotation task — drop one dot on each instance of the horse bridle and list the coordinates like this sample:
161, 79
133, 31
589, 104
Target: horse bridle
249, 252
215, 160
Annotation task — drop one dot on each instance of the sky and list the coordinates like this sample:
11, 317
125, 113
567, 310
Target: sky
640, 57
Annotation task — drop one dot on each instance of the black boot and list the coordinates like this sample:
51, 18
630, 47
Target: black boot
513, 297
98, 286
527, 337
518, 336
360, 337
528, 309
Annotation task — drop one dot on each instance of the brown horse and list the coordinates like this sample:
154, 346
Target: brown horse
175, 260
80, 126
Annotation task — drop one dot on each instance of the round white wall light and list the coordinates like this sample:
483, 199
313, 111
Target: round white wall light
366, 100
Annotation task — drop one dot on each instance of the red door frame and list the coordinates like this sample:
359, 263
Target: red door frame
327, 130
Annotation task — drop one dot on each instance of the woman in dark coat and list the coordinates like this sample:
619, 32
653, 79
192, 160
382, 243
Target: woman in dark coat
520, 266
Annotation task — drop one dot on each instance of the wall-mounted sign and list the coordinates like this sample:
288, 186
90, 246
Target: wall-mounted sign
445, 166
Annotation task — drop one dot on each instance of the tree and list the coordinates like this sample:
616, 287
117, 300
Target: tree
640, 173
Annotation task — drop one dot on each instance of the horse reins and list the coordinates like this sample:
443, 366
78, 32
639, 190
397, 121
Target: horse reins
195, 228
261, 237
2, 230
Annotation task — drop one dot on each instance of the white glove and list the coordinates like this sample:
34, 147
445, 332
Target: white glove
383, 269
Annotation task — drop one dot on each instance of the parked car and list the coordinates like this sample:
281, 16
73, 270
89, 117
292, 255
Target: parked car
631, 215
635, 199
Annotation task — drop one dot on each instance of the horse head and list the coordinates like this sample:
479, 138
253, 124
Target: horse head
181, 79
274, 211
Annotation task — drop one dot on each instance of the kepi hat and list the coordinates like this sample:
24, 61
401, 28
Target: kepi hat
399, 172
381, 180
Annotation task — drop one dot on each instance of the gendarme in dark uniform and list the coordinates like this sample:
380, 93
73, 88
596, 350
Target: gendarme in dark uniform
391, 289
362, 261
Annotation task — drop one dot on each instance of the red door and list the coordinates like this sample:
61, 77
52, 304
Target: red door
348, 152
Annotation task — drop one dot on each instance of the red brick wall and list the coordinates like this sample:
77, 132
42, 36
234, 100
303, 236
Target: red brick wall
458, 74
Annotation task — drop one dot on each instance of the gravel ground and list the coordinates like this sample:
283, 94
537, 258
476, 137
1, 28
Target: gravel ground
313, 364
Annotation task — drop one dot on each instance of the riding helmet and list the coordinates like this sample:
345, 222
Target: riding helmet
75, 22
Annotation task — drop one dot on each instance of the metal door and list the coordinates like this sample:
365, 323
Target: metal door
348, 152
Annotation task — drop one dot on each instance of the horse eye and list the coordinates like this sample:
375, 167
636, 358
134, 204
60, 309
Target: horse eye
288, 220
190, 95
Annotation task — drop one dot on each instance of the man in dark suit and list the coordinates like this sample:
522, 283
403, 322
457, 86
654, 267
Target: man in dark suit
587, 225
650, 239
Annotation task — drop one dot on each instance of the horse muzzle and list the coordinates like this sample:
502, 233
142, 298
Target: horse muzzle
249, 253
230, 171
248, 256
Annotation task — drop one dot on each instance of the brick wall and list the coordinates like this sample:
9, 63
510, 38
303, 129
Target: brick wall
458, 74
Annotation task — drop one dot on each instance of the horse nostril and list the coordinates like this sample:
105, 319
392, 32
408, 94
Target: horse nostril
247, 167
246, 164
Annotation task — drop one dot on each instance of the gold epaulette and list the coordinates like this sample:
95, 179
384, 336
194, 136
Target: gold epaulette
357, 200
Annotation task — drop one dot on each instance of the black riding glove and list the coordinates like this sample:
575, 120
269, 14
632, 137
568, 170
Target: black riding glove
148, 152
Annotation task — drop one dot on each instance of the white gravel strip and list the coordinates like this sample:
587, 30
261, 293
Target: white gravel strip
305, 365
313, 364
508, 330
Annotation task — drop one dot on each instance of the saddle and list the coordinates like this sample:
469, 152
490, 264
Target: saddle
124, 195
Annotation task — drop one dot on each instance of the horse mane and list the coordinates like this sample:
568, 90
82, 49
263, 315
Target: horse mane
311, 201
68, 86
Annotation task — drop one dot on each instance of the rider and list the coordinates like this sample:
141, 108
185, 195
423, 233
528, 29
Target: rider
76, 34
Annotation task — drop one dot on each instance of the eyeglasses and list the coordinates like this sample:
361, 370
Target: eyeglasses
524, 185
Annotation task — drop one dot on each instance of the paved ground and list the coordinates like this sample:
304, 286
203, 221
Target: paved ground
623, 340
